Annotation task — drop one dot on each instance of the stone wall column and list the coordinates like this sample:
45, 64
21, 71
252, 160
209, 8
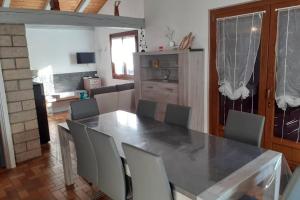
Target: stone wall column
19, 90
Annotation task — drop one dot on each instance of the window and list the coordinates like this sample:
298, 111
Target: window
123, 45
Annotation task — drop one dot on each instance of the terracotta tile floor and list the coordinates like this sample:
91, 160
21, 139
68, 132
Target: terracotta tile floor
42, 178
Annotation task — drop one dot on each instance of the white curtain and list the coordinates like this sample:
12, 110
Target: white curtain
288, 59
238, 40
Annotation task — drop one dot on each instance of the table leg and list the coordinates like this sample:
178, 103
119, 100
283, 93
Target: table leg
64, 139
272, 191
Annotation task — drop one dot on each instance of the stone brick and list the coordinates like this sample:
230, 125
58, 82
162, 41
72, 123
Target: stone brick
21, 95
28, 105
8, 64
17, 74
19, 138
25, 84
33, 124
22, 116
14, 107
13, 52
19, 41
28, 155
12, 29
26, 136
11, 86
19, 148
17, 128
5, 41
22, 63
34, 144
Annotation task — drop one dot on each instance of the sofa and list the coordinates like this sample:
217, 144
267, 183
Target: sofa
117, 97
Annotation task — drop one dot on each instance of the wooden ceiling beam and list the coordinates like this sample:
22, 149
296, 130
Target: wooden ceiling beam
82, 5
6, 3
103, 3
44, 17
54, 5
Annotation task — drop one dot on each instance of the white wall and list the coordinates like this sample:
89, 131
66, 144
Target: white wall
183, 17
128, 8
57, 46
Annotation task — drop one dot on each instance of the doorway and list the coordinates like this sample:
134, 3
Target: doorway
278, 83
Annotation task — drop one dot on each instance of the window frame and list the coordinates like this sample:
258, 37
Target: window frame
121, 35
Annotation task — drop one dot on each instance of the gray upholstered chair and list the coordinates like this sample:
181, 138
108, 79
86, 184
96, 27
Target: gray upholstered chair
149, 178
244, 127
84, 108
86, 159
111, 174
146, 109
177, 115
292, 190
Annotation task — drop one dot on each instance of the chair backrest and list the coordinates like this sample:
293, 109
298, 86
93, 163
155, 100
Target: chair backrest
146, 109
292, 190
111, 173
84, 108
244, 127
177, 115
86, 159
149, 178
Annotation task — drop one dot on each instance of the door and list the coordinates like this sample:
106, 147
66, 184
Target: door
2, 160
277, 76
283, 110
245, 18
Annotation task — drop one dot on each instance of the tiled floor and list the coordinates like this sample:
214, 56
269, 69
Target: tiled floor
42, 178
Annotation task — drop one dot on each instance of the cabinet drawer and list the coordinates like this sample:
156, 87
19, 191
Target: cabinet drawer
149, 86
160, 92
169, 88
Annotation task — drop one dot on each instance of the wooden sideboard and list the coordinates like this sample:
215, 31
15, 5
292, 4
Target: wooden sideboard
175, 77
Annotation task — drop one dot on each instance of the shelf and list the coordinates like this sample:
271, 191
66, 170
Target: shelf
150, 67
161, 81
166, 52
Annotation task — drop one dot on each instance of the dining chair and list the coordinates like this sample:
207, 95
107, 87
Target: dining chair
292, 190
149, 178
84, 108
146, 108
86, 159
244, 127
111, 173
177, 115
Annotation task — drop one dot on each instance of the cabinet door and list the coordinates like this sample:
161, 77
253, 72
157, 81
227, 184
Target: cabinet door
256, 101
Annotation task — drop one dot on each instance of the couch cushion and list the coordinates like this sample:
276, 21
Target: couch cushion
127, 86
103, 90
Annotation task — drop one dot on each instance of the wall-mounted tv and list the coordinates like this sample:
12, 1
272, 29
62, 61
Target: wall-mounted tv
85, 57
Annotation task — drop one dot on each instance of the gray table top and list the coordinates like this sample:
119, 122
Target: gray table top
194, 161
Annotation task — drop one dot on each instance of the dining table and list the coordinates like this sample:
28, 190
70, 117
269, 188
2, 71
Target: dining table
198, 165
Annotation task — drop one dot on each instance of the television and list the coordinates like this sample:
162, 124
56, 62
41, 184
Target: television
85, 57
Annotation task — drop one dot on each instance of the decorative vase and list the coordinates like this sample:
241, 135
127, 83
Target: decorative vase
172, 44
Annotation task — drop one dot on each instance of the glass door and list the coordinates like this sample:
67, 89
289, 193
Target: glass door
238, 62
283, 107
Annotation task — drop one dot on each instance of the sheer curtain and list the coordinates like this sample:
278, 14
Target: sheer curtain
288, 59
238, 40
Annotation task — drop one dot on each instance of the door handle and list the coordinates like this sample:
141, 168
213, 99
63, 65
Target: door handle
269, 97
268, 93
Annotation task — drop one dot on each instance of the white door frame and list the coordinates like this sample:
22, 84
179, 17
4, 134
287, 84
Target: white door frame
7, 141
